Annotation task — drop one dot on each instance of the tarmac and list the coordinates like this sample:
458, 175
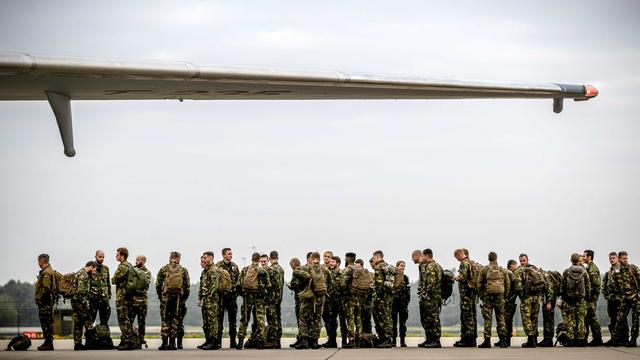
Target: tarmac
64, 351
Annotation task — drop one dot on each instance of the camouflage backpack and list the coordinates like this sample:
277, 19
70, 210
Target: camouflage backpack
64, 284
534, 280
495, 280
556, 280
318, 280
398, 279
361, 282
225, 280
173, 279
474, 271
138, 282
576, 287
250, 279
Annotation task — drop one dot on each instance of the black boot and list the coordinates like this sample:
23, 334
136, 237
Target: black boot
351, 344
205, 343
78, 346
46, 346
596, 341
581, 343
232, 342
331, 343
460, 342
212, 345
296, 342
531, 342
344, 341
433, 344
165, 344
402, 342
486, 344
546, 342
503, 342
385, 344
394, 342
172, 344
632, 343
240, 343
424, 343
304, 344
179, 343
314, 344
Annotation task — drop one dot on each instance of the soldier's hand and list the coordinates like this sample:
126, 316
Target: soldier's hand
199, 303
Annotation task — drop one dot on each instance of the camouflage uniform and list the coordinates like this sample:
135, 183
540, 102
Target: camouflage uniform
45, 297
493, 302
591, 321
574, 310
550, 295
100, 294
614, 296
139, 307
229, 301
628, 280
365, 309
529, 302
400, 309
296, 286
352, 310
210, 302
80, 305
332, 304
123, 302
274, 302
310, 322
383, 299
510, 307
430, 298
253, 303
468, 314
171, 304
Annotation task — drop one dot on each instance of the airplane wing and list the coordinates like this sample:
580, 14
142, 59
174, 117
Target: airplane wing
61, 79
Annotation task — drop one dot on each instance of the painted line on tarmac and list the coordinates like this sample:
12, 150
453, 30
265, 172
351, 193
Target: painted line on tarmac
330, 356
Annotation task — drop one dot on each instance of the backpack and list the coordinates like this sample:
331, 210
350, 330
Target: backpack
446, 285
64, 284
19, 343
556, 279
474, 271
101, 339
576, 289
251, 279
361, 282
318, 281
534, 280
398, 279
495, 280
225, 280
173, 280
137, 281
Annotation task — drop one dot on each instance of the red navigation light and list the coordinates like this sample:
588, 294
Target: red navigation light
590, 91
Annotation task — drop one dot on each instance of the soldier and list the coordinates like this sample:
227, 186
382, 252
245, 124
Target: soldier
229, 300
296, 286
591, 322
139, 303
553, 285
315, 275
430, 300
100, 291
45, 297
418, 258
172, 288
466, 286
332, 303
366, 307
400, 307
253, 284
209, 301
123, 300
575, 289
510, 305
80, 305
529, 285
628, 280
493, 286
327, 258
383, 299
341, 299
274, 301
353, 298
613, 294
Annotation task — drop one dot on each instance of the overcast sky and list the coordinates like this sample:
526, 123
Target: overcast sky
295, 176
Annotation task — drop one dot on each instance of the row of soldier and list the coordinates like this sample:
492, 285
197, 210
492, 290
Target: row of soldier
348, 297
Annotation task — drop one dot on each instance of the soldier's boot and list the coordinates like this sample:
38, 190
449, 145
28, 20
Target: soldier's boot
350, 344
596, 341
212, 344
581, 343
259, 344
531, 342
205, 343
508, 340
240, 343
433, 344
344, 340
304, 344
611, 342
402, 342
232, 342
546, 342
331, 343
469, 342
385, 344
502, 343
172, 344
78, 346
486, 344
179, 342
165, 344
296, 342
46, 346
632, 343
459, 342
313, 344
394, 342
424, 343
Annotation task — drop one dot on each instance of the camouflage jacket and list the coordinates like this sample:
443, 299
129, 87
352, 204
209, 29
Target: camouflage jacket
587, 284
296, 284
513, 295
383, 278
482, 280
550, 291
610, 288
209, 284
100, 283
596, 282
186, 282
519, 283
334, 289
276, 276
141, 299
402, 296
121, 276
432, 282
45, 289
464, 274
346, 278
234, 272
81, 285
627, 279
264, 283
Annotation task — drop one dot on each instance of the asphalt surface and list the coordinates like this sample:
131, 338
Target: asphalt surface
64, 351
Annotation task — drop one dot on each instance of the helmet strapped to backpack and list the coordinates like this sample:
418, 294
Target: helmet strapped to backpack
19, 343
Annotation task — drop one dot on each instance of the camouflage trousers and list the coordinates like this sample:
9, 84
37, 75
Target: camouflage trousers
100, 305
510, 308
170, 314
548, 320
311, 317
123, 306
493, 304
330, 316
182, 312
381, 310
430, 318
626, 306
252, 305
228, 304
274, 321
45, 313
399, 315
353, 316
591, 321
468, 315
211, 316
529, 309
613, 307
365, 308
297, 310
138, 311
573, 314
81, 318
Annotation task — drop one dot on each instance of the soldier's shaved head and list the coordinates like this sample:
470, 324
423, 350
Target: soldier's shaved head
99, 257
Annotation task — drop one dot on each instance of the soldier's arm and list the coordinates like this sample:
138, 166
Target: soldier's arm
121, 274
215, 282
344, 278
605, 285
240, 282
302, 274
587, 285
507, 283
159, 282
517, 278
482, 276
186, 284
108, 284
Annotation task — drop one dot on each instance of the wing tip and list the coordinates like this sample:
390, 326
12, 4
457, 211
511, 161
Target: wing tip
590, 91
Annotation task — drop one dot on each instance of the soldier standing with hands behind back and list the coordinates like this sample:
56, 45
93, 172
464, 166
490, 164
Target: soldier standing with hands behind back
100, 291
45, 296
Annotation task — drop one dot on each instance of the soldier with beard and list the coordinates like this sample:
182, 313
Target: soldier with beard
140, 304
332, 302
229, 300
274, 302
613, 294
100, 291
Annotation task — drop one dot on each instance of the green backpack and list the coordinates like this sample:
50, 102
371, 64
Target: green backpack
137, 282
